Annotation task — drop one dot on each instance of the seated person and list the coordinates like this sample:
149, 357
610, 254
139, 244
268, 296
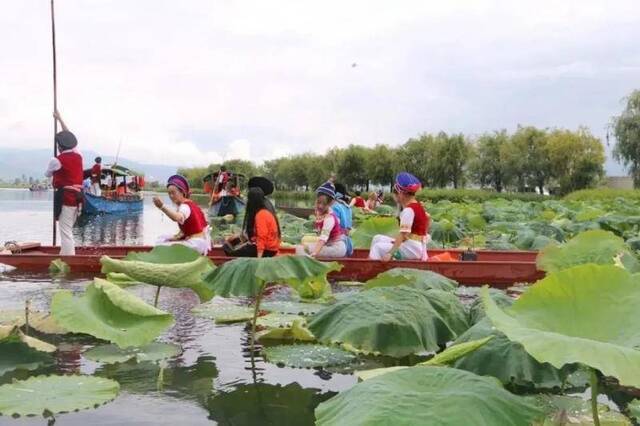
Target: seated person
411, 242
260, 230
342, 209
372, 202
194, 230
331, 241
358, 201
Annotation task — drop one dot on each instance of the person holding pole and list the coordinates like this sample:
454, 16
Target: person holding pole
66, 169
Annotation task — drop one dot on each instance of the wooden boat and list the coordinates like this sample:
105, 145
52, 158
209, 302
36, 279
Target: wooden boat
111, 201
110, 205
301, 212
227, 205
498, 269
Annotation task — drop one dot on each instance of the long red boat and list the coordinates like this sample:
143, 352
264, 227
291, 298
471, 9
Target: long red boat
496, 268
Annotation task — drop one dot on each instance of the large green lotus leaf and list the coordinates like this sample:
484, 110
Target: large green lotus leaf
247, 276
595, 246
55, 394
476, 309
584, 314
108, 312
18, 351
308, 356
568, 411
41, 321
59, 267
372, 226
426, 395
153, 352
395, 321
277, 320
121, 280
297, 332
506, 360
414, 277
176, 253
291, 307
179, 275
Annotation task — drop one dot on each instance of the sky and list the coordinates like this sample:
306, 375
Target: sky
192, 82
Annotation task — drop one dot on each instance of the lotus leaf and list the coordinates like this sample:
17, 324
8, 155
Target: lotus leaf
59, 267
172, 254
595, 246
179, 275
108, 312
583, 314
223, 312
121, 280
395, 321
41, 321
413, 277
18, 351
276, 320
372, 226
55, 394
308, 356
291, 307
247, 276
567, 411
297, 332
634, 409
506, 360
476, 309
153, 352
427, 395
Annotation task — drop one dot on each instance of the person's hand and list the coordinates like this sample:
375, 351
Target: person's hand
386, 257
158, 202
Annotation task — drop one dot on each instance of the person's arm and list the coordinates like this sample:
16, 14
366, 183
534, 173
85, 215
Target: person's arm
175, 216
352, 202
54, 165
406, 222
261, 234
327, 226
57, 116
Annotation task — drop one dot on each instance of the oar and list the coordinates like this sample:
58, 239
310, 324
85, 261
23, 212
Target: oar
55, 103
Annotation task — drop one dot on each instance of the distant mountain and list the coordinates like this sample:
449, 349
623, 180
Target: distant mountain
14, 163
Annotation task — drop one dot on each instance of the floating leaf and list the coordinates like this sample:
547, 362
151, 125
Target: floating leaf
59, 267
414, 277
583, 314
595, 246
153, 352
567, 411
18, 351
308, 356
276, 320
223, 312
297, 332
372, 226
41, 321
55, 394
108, 312
395, 321
291, 307
427, 395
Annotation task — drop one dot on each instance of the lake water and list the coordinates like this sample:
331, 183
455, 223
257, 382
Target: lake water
212, 381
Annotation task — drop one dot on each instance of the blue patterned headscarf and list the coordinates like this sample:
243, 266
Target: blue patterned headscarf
327, 189
407, 183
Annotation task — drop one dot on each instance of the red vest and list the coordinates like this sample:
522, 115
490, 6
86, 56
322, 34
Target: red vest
336, 231
69, 175
421, 220
359, 202
195, 223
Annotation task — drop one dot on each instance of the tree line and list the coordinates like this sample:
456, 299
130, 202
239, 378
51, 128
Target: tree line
530, 159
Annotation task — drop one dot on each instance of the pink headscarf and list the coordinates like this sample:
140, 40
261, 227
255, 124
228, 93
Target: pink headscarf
181, 183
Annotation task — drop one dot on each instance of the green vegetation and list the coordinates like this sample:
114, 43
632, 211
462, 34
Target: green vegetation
626, 129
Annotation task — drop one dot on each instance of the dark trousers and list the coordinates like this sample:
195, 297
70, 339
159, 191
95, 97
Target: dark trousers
236, 249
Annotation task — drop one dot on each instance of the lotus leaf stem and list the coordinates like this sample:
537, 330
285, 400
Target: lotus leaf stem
256, 310
155, 302
26, 316
594, 397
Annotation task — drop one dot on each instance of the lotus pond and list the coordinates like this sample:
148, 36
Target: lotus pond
164, 337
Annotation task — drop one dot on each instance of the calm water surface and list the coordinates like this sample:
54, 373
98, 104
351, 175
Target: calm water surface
212, 381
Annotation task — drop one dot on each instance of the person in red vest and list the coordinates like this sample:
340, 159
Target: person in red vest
411, 241
194, 230
67, 172
358, 201
96, 175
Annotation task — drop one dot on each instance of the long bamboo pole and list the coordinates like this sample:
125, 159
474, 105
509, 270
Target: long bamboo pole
55, 102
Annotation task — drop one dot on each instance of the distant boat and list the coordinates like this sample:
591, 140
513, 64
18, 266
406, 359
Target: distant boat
229, 200
38, 188
124, 196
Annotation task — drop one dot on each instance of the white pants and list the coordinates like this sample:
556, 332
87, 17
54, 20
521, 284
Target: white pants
67, 218
409, 250
95, 189
201, 245
333, 249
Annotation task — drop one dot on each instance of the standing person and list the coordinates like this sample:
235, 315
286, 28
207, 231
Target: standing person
260, 230
411, 241
331, 242
96, 175
194, 230
342, 209
67, 172
358, 201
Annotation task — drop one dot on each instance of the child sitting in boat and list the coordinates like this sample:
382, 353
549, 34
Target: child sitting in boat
358, 201
260, 230
411, 242
331, 241
342, 209
194, 230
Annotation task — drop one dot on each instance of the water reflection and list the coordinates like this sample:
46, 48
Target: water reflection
108, 229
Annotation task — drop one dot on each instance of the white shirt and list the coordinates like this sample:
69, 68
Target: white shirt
327, 225
185, 211
406, 220
54, 163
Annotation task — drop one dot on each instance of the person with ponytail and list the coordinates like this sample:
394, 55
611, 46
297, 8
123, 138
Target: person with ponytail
411, 241
192, 223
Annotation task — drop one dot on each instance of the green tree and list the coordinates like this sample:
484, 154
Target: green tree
351, 167
488, 164
626, 129
452, 154
194, 175
576, 159
416, 156
527, 158
382, 165
244, 167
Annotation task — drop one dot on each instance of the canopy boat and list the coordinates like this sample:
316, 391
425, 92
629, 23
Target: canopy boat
226, 195
498, 269
121, 192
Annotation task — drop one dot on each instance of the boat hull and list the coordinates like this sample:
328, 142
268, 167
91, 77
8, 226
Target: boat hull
100, 205
495, 268
227, 205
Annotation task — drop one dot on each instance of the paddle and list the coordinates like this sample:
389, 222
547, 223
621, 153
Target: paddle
55, 102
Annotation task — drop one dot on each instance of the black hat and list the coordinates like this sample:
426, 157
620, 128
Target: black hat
66, 140
98, 160
261, 182
341, 192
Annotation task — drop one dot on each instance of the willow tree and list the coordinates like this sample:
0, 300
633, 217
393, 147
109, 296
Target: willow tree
626, 129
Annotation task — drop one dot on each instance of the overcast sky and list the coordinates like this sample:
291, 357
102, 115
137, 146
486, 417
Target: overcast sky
191, 82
